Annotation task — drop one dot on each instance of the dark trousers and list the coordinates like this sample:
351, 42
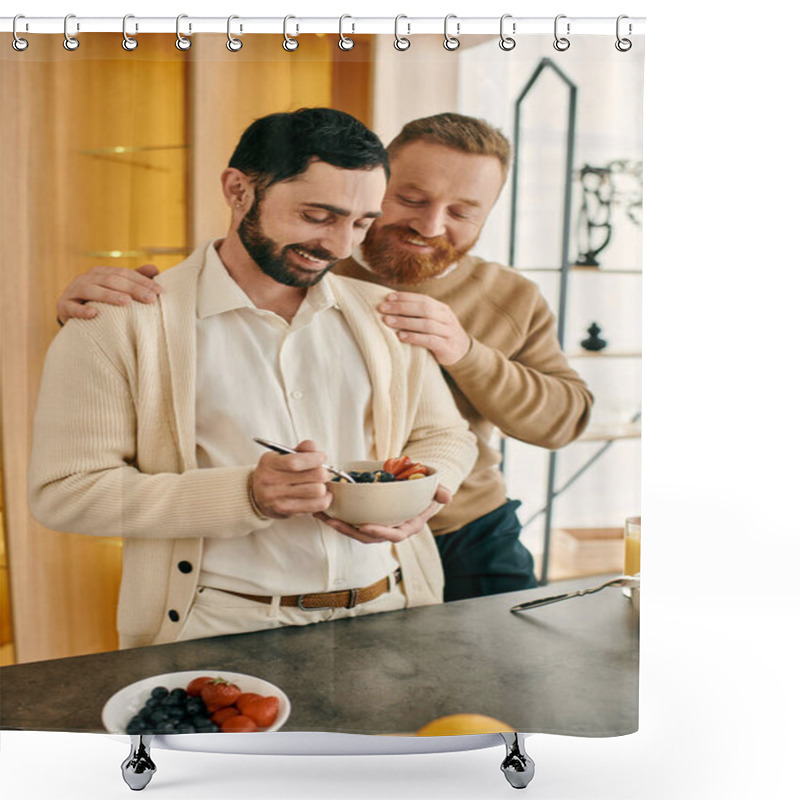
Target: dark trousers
486, 556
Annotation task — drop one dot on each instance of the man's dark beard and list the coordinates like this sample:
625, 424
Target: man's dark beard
385, 258
264, 251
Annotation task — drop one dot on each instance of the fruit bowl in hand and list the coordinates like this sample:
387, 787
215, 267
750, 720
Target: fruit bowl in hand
380, 503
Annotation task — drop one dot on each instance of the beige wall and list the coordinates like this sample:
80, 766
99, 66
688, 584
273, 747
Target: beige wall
68, 203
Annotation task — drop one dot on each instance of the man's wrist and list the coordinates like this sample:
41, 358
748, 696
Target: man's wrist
251, 494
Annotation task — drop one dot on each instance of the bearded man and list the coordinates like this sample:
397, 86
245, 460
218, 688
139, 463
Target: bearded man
146, 414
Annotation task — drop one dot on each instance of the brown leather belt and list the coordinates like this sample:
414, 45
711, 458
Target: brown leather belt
345, 598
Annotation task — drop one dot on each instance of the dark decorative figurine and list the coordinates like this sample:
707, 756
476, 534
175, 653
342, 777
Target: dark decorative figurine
602, 188
594, 343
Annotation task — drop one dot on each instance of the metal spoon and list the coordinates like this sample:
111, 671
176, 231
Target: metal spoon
282, 448
623, 580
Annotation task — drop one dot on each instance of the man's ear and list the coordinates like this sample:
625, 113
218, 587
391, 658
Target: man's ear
237, 189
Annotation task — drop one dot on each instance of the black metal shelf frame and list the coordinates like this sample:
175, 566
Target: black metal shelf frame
544, 65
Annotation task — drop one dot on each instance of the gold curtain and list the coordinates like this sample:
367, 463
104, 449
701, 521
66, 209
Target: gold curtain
110, 156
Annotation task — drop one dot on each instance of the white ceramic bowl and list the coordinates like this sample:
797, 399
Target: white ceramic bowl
123, 705
379, 503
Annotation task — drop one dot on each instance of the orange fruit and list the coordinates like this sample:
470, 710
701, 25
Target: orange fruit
463, 725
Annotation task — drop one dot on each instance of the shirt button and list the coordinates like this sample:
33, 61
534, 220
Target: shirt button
297, 394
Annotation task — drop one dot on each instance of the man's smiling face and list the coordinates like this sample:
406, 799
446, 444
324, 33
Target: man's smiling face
436, 203
297, 229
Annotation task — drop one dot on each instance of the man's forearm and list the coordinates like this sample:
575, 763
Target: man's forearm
548, 409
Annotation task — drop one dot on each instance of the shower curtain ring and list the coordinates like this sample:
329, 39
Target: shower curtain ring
233, 44
290, 44
623, 45
451, 43
182, 43
400, 42
561, 43
70, 42
345, 42
18, 43
506, 42
129, 42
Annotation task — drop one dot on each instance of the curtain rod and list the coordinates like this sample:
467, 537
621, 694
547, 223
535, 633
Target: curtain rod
294, 25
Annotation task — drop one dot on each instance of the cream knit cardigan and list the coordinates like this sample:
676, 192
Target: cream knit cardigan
114, 445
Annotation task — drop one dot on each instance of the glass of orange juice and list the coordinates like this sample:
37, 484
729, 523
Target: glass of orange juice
633, 548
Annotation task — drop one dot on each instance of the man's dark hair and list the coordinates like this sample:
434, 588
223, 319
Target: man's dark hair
280, 146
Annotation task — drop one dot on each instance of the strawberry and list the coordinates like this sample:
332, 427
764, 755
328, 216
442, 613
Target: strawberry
412, 469
239, 724
396, 465
244, 697
218, 717
262, 710
219, 693
196, 686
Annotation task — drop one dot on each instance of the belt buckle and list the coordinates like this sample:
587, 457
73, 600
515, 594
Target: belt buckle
352, 601
301, 606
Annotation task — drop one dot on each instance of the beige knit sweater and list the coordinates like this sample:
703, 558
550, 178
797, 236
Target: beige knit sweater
114, 445
514, 377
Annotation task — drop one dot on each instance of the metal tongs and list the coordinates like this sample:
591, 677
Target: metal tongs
623, 580
282, 448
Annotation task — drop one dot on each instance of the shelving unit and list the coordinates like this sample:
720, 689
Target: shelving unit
152, 163
604, 434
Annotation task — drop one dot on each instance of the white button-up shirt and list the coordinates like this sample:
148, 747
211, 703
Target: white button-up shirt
259, 375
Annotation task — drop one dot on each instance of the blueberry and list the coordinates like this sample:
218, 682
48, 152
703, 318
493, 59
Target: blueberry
185, 727
195, 705
160, 692
181, 693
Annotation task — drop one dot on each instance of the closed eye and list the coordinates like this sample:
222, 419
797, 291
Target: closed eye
411, 202
319, 220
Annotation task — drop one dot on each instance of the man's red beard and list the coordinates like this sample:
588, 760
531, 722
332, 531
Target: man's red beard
385, 257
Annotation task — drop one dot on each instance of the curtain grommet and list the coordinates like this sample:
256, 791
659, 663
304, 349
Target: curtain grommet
451, 43
18, 43
623, 44
182, 42
233, 44
70, 42
506, 42
400, 42
561, 43
289, 44
345, 42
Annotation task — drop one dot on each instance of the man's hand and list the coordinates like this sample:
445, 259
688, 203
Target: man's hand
373, 534
426, 322
285, 485
115, 285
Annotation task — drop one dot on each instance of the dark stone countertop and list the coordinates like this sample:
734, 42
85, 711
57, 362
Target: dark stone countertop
568, 668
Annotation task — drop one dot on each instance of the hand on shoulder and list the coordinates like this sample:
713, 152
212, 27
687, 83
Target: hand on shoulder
114, 285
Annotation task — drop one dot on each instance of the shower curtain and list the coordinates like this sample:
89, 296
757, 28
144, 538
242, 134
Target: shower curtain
112, 157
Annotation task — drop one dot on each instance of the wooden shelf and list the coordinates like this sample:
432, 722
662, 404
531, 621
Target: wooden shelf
611, 432
604, 354
585, 270
117, 154
142, 252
